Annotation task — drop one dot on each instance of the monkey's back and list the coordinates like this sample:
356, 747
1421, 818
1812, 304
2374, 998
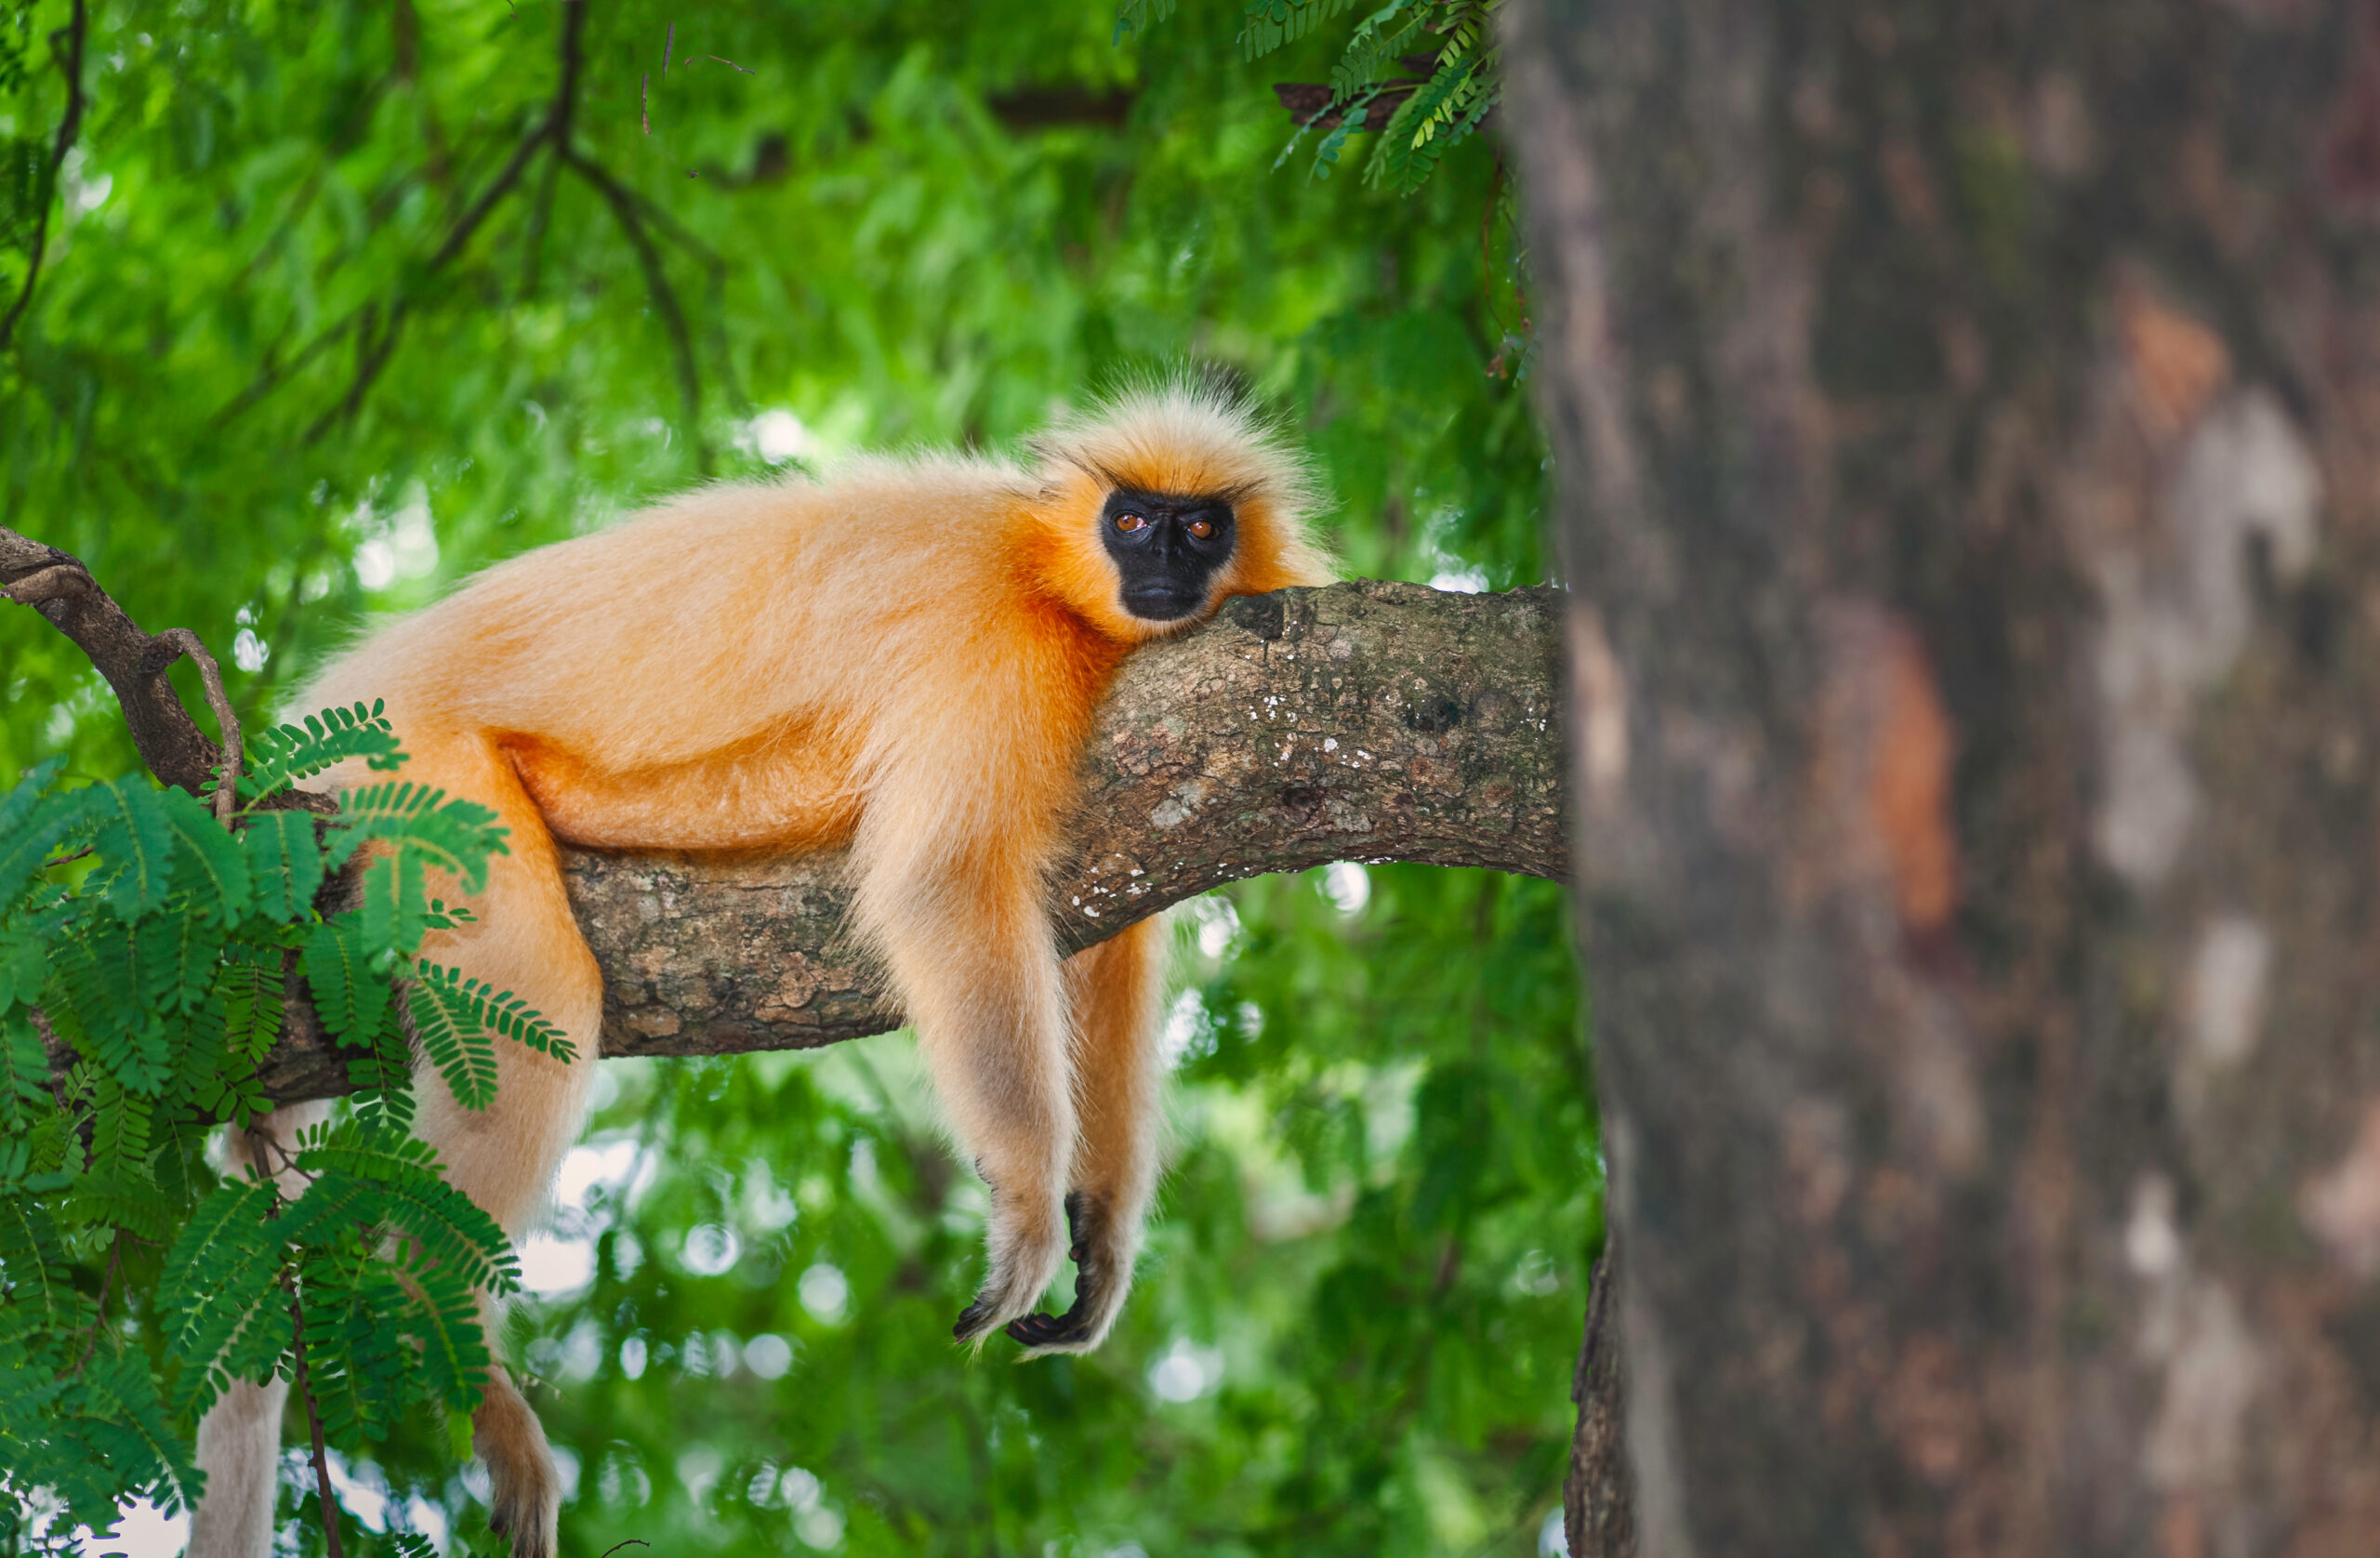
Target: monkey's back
712, 618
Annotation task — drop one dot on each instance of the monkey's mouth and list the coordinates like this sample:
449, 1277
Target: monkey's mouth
1163, 602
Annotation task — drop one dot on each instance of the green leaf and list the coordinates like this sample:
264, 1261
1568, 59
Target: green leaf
222, 1270
350, 996
137, 844
126, 1391
25, 968
446, 1025
476, 1003
120, 1134
284, 864
32, 1261
31, 825
279, 757
177, 955
395, 902
24, 1072
252, 994
100, 971
456, 836
454, 1232
210, 864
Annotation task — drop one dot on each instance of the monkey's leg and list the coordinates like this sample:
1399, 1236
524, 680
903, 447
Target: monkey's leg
239, 1440
970, 952
1113, 989
504, 1157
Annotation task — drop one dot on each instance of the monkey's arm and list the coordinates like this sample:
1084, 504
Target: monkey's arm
721, 955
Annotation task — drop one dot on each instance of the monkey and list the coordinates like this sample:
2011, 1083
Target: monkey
902, 660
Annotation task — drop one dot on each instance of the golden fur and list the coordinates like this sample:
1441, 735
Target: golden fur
904, 659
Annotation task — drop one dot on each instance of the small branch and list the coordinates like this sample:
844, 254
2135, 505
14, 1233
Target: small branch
56, 584
227, 787
371, 352
314, 1426
554, 130
622, 201
69, 125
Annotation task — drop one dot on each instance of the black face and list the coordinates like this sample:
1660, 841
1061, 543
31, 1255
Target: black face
1167, 549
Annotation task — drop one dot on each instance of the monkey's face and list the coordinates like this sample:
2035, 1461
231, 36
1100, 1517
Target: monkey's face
1167, 549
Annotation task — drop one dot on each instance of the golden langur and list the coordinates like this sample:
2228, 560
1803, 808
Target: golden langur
904, 660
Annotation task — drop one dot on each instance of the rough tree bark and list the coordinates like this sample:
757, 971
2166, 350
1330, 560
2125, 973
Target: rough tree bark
1969, 420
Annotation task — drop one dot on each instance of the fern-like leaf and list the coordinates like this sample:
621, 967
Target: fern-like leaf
453, 1039
177, 955
456, 836
99, 970
279, 757
210, 864
396, 902
32, 1263
351, 996
31, 823
1139, 16
137, 844
24, 1074
222, 1271
254, 998
477, 1002
284, 864
121, 1394
451, 1228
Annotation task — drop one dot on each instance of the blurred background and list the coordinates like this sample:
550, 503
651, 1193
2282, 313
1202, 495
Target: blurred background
312, 339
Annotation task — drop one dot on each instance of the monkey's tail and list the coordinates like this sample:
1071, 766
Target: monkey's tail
239, 1440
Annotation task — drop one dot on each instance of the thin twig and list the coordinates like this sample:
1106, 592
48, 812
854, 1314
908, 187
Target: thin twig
541, 212
644, 99
227, 789
553, 131
664, 298
314, 1425
668, 45
69, 125
71, 857
729, 63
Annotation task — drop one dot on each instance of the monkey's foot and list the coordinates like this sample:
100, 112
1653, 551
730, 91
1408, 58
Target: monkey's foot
1023, 1265
525, 1491
1098, 1290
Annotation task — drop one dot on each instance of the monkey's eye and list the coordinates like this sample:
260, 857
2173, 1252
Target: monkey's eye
1202, 529
1130, 522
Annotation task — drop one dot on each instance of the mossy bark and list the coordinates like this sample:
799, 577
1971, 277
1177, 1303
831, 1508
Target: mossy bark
1968, 430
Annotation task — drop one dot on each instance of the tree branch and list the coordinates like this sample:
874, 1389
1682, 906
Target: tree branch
1366, 722
373, 353
664, 298
56, 584
69, 123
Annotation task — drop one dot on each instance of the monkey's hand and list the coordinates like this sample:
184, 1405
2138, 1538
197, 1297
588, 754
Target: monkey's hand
1101, 1273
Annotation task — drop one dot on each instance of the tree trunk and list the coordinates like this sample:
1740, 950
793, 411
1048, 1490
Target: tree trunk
1968, 425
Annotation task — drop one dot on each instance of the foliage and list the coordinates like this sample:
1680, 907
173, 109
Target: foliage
1452, 86
145, 950
909, 222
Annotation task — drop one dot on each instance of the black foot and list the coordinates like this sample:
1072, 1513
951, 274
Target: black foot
1075, 1325
974, 1321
